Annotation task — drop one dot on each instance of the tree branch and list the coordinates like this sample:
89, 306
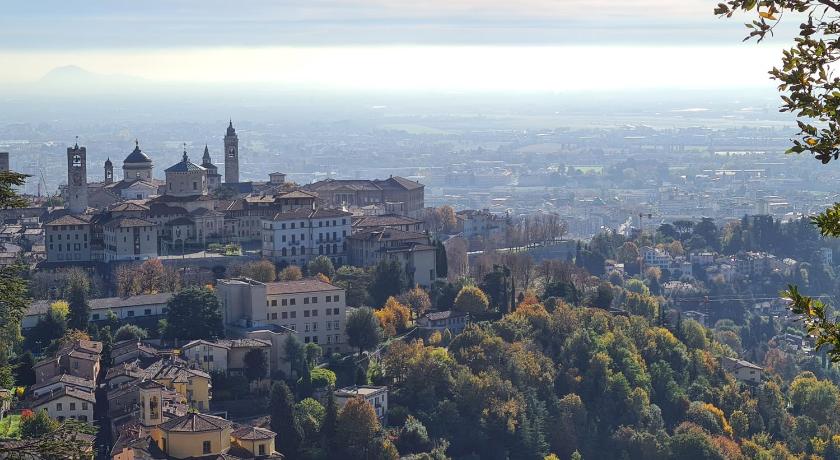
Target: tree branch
831, 4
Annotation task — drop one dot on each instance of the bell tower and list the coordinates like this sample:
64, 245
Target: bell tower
109, 172
151, 403
77, 192
231, 155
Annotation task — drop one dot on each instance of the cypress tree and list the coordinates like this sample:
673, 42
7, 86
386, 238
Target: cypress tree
284, 422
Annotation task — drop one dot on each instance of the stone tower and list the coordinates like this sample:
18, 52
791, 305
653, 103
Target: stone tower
231, 155
109, 172
4, 161
77, 192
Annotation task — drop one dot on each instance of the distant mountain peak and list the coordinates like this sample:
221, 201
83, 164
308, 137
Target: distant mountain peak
67, 71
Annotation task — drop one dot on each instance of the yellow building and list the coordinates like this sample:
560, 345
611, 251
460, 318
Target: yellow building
196, 435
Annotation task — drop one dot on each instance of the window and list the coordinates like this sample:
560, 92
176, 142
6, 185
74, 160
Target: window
273, 302
95, 316
314, 312
335, 311
329, 325
329, 311
58, 407
285, 315
130, 313
315, 339
305, 313
274, 316
306, 327
314, 300
206, 447
293, 314
147, 311
306, 302
72, 406
284, 302
292, 302
262, 449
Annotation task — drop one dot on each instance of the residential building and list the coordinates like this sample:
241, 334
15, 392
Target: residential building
414, 252
130, 238
67, 403
454, 321
125, 308
744, 371
57, 382
68, 238
79, 359
315, 310
396, 194
376, 396
295, 237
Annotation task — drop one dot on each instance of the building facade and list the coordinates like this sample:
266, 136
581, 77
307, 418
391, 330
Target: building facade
296, 237
231, 155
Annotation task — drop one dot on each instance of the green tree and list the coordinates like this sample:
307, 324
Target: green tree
79, 311
389, 280
362, 329
37, 424
471, 299
13, 289
310, 414
355, 282
322, 265
413, 437
194, 313
284, 422
810, 91
256, 364
441, 262
130, 332
329, 423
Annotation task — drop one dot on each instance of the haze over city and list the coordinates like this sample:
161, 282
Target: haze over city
400, 230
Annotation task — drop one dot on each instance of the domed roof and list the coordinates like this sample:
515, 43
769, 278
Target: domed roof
137, 156
185, 165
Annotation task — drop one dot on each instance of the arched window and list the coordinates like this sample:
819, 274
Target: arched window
294, 251
283, 252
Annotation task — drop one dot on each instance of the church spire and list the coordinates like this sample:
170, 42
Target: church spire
186, 158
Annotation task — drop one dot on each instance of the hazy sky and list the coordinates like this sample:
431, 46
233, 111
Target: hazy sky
437, 44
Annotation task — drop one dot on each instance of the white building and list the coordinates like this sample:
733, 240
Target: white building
744, 371
377, 397
296, 237
137, 306
67, 403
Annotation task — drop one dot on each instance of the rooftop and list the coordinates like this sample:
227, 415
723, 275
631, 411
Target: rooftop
195, 423
296, 287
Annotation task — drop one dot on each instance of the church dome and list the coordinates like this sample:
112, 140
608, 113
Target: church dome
137, 156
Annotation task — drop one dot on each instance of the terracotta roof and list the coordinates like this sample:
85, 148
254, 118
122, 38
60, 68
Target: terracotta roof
69, 219
40, 307
129, 222
390, 234
439, 315
384, 221
298, 194
296, 287
244, 343
195, 423
249, 433
67, 379
70, 391
129, 206
319, 213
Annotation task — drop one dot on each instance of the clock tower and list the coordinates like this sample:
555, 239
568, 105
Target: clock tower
77, 190
231, 155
